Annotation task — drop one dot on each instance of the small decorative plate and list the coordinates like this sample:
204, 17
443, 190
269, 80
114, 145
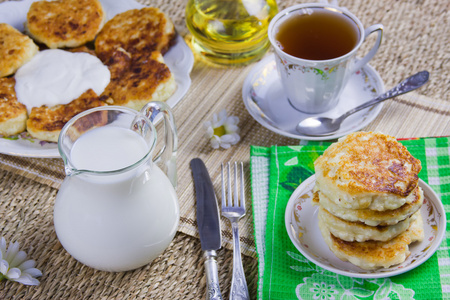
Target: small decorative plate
179, 59
267, 103
303, 230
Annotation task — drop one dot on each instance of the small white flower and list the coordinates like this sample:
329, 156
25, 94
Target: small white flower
14, 265
222, 131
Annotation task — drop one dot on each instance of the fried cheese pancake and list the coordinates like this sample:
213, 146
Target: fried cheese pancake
118, 62
13, 114
136, 80
372, 255
45, 123
15, 49
360, 232
137, 31
82, 49
372, 217
64, 23
367, 170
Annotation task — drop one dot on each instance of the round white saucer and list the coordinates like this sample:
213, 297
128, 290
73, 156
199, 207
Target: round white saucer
266, 101
303, 230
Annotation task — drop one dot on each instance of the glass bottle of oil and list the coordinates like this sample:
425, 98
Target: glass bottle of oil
230, 32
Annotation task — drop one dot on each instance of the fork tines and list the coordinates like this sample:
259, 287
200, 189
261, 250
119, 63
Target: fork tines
229, 200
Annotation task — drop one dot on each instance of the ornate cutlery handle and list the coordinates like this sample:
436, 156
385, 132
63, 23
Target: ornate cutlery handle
212, 277
239, 289
411, 83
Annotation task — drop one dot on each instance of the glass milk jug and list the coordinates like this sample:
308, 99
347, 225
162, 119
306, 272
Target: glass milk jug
117, 209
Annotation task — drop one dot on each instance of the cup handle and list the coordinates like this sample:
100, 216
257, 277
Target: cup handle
166, 157
363, 61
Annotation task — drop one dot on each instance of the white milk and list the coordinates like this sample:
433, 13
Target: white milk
118, 222
108, 148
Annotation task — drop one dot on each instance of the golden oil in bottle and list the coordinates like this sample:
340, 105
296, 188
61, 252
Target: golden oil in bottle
230, 32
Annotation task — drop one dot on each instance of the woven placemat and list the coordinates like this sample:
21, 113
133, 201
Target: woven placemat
26, 216
416, 38
403, 52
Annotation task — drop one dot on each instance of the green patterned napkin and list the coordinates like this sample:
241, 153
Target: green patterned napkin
285, 274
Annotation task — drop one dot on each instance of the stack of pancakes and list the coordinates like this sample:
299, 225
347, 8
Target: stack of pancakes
369, 200
131, 45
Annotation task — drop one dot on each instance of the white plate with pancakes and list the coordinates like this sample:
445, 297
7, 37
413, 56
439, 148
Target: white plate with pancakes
179, 59
301, 222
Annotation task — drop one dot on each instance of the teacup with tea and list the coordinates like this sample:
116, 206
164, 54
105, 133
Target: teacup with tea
315, 48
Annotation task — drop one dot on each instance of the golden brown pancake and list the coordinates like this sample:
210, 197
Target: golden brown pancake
82, 49
64, 23
119, 62
367, 170
360, 232
371, 255
372, 217
45, 123
13, 114
137, 31
138, 79
15, 49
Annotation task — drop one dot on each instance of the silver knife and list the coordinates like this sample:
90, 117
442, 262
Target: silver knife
208, 225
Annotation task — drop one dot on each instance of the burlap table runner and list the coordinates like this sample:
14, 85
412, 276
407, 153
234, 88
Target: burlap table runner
416, 38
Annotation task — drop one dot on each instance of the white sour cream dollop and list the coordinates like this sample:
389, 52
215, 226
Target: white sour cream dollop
55, 77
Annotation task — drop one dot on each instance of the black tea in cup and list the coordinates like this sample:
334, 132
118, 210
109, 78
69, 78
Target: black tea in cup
319, 34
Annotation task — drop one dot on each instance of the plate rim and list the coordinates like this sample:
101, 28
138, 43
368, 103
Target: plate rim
432, 197
181, 74
268, 59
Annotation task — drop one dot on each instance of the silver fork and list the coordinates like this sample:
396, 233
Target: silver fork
234, 210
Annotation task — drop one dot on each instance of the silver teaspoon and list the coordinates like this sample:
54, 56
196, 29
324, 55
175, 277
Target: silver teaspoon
322, 126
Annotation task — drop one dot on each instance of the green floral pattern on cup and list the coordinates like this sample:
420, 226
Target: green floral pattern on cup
324, 74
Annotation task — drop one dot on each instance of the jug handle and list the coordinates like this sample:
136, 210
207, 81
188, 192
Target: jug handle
166, 157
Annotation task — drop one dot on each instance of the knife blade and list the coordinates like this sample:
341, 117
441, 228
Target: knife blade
208, 225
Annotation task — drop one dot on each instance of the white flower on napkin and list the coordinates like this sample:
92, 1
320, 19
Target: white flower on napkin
14, 265
222, 131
